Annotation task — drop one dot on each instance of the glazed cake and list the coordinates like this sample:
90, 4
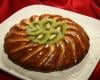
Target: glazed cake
46, 43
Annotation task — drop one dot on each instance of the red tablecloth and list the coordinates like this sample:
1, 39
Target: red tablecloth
86, 7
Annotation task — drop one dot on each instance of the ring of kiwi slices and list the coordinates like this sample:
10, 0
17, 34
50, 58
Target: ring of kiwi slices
45, 31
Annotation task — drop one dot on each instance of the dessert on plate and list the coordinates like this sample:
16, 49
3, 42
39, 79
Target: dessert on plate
46, 43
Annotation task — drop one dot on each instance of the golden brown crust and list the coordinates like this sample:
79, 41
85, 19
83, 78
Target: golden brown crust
61, 55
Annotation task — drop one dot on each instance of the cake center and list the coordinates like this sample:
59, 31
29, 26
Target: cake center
45, 31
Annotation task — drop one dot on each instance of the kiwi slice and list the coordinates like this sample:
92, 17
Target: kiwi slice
33, 31
55, 36
36, 24
34, 28
60, 27
45, 37
45, 22
41, 38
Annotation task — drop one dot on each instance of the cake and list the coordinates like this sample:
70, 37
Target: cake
46, 43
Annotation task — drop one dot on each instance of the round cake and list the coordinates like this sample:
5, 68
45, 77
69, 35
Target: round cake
46, 43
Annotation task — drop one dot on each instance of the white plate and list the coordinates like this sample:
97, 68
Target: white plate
82, 71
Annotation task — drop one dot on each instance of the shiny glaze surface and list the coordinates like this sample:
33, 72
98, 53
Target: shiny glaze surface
43, 57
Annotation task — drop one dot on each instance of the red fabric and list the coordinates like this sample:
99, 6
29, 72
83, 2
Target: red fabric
86, 7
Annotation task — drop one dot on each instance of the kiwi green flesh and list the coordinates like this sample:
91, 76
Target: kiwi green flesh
52, 34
